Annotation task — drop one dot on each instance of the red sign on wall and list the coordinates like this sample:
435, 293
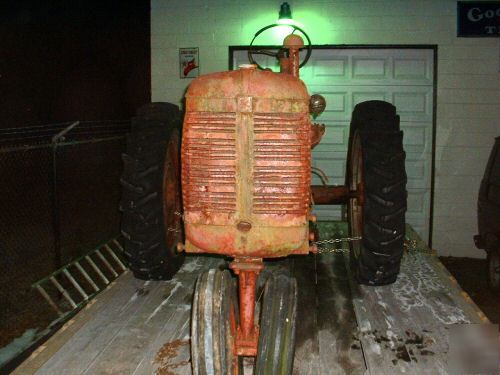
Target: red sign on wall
189, 63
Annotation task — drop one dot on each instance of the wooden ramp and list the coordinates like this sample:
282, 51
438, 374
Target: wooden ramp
137, 327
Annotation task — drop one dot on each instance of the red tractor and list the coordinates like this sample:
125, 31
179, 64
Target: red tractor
247, 194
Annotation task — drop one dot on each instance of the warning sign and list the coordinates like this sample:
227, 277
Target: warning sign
189, 63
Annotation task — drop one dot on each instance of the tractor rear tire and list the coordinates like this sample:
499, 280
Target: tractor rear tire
277, 327
151, 193
377, 162
374, 115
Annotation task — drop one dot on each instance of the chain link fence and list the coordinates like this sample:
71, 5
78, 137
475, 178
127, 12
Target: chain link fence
59, 199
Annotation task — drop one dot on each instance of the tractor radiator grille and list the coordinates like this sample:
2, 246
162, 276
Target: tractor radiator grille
209, 162
281, 164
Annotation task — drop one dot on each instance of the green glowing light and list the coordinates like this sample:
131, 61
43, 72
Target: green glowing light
281, 32
312, 22
285, 12
285, 22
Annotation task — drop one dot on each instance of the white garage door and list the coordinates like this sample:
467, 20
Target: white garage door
345, 77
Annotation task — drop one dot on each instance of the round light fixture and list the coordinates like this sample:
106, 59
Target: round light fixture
285, 14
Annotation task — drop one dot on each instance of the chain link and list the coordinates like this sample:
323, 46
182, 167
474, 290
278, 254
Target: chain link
176, 229
324, 250
321, 250
410, 245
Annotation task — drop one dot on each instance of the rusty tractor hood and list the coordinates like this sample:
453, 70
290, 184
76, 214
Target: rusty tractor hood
246, 164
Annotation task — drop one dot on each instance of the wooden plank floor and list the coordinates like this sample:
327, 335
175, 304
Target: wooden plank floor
138, 327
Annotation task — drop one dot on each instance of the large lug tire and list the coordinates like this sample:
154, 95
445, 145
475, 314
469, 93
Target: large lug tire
213, 324
376, 166
277, 327
493, 260
151, 193
374, 115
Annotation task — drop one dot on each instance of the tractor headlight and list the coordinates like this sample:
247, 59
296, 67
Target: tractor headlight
317, 105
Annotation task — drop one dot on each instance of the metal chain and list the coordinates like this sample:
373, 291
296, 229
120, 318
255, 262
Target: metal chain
338, 240
176, 229
323, 250
409, 245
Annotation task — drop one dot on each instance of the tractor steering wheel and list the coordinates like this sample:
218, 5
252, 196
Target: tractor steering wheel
280, 51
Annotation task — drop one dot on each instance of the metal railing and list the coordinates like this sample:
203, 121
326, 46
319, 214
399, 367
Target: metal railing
59, 198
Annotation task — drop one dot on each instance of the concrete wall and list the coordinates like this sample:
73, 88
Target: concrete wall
468, 81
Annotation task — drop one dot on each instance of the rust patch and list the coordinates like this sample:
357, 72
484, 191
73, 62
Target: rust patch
246, 157
317, 132
166, 357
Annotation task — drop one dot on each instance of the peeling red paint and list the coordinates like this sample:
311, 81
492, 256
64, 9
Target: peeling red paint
246, 157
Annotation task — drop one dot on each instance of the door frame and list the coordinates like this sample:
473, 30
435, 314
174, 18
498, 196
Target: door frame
433, 48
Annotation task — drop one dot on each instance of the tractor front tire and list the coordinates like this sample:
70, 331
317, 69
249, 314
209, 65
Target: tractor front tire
276, 348
214, 318
151, 193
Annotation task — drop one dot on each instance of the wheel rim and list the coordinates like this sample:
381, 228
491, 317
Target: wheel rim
172, 203
355, 208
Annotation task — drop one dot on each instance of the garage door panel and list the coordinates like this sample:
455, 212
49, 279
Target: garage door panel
364, 68
417, 172
346, 77
332, 163
413, 66
338, 103
414, 69
336, 133
363, 96
419, 225
334, 169
413, 103
416, 136
417, 202
335, 102
326, 68
370, 67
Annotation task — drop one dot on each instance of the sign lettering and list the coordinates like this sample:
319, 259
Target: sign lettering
478, 19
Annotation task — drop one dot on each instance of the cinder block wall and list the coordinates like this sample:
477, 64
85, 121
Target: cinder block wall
468, 81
